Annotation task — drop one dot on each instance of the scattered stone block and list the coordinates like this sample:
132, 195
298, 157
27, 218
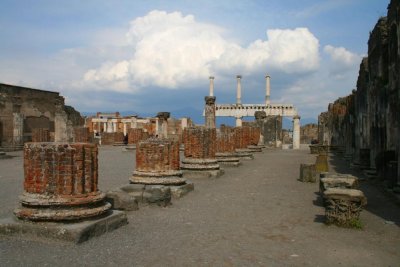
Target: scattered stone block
308, 173
181, 190
121, 200
321, 163
343, 206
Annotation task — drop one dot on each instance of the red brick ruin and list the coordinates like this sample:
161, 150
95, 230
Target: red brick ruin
157, 162
225, 147
82, 135
200, 149
61, 182
136, 134
112, 138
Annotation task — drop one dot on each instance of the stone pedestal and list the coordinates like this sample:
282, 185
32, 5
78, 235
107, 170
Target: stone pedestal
321, 163
308, 173
343, 206
329, 180
296, 132
60, 186
200, 148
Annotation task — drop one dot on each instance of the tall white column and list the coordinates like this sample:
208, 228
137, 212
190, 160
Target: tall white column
115, 127
109, 127
124, 128
238, 121
267, 90
105, 127
211, 86
239, 90
296, 132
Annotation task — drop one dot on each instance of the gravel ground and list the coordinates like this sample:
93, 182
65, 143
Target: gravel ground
254, 215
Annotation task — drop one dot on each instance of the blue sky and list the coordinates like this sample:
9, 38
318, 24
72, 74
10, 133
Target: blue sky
150, 56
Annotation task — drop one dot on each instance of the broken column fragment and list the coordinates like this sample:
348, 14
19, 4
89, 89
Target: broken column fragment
225, 150
200, 148
242, 139
60, 186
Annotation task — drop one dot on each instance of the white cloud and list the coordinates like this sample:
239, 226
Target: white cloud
345, 63
171, 50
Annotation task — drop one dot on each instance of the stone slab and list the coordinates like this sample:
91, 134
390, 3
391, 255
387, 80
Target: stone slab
121, 200
230, 163
181, 190
194, 174
76, 232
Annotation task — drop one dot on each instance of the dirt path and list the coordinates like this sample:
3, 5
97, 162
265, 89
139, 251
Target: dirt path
254, 215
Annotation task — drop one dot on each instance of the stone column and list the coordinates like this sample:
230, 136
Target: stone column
296, 132
211, 86
61, 183
260, 116
60, 125
18, 131
125, 131
163, 120
109, 127
238, 121
210, 111
105, 127
225, 148
99, 127
115, 124
238, 90
267, 90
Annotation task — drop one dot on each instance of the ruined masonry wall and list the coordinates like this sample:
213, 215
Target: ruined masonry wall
157, 155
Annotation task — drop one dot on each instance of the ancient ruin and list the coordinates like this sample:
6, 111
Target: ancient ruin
225, 147
60, 185
200, 148
365, 124
23, 110
274, 112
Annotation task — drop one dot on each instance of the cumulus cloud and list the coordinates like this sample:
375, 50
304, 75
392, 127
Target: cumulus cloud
170, 50
345, 63
342, 56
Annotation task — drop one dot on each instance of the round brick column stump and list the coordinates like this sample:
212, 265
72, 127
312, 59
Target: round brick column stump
200, 149
61, 183
157, 163
225, 152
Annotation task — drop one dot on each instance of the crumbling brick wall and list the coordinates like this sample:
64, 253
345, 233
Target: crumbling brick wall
83, 134
136, 135
112, 138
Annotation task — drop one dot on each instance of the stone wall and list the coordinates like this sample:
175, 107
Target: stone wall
40, 135
366, 123
24, 109
135, 135
112, 138
308, 133
83, 135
